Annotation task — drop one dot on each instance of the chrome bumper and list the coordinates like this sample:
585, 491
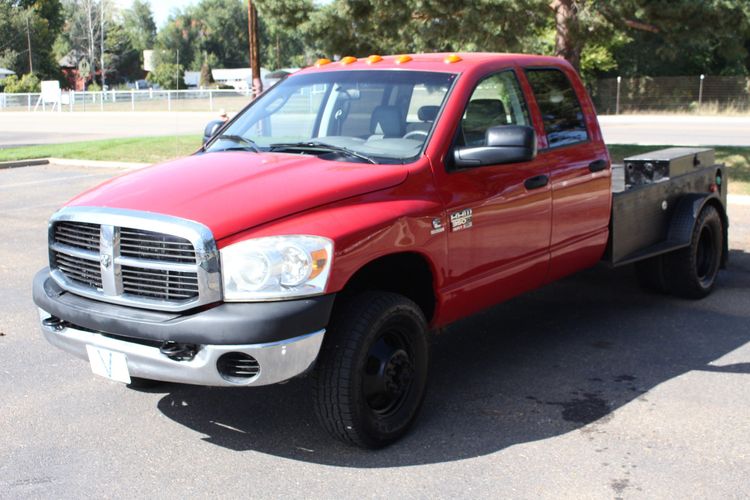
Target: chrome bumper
279, 361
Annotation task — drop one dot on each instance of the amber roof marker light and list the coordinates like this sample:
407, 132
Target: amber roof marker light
403, 59
374, 59
348, 60
322, 62
453, 58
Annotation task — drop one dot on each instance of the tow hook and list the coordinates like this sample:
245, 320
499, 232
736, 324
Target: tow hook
54, 323
178, 352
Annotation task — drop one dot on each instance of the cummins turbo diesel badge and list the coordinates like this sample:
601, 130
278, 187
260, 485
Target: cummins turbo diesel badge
461, 220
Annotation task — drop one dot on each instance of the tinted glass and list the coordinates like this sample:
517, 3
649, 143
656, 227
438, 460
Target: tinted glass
385, 115
497, 100
561, 111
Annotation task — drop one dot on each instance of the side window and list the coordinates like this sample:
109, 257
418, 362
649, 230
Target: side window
561, 111
497, 100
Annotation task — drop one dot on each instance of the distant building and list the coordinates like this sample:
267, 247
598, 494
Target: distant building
192, 79
242, 78
5, 72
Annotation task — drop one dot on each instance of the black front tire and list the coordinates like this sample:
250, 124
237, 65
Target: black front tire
371, 375
692, 271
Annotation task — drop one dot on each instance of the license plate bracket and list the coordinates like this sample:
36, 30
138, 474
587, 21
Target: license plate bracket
109, 364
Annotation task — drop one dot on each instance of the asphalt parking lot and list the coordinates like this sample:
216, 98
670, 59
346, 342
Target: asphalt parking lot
588, 388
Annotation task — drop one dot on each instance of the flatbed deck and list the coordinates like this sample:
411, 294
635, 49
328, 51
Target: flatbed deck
642, 215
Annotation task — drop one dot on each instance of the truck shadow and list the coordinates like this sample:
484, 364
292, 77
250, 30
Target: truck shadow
558, 360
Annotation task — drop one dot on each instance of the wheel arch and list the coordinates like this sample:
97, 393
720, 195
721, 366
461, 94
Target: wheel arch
411, 274
686, 214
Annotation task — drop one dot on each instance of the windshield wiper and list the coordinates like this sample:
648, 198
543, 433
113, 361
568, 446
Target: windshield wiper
321, 146
248, 143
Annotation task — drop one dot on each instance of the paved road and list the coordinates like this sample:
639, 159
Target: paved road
677, 129
49, 128
17, 128
585, 389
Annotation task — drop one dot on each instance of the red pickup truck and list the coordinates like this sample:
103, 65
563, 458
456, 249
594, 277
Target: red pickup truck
352, 209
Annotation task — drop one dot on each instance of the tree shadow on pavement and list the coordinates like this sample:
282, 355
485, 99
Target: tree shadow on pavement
557, 360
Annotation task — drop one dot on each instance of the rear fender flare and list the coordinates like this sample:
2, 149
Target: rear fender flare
686, 214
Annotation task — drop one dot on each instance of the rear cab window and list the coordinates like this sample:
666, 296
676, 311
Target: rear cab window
562, 116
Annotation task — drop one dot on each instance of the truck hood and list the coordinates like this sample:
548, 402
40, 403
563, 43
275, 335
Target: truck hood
233, 191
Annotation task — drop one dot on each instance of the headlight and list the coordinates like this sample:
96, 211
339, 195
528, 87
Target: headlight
277, 267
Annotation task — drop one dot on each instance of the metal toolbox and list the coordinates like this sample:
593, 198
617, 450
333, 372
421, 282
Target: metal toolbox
656, 166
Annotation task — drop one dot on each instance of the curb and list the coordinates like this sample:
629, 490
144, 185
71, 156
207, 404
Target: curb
97, 163
23, 163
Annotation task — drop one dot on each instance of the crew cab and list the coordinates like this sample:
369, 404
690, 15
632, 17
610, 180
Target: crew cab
352, 209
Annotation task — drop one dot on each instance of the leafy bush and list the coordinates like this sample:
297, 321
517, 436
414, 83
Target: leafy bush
165, 75
27, 83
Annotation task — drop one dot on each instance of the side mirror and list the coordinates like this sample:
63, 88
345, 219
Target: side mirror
505, 144
211, 129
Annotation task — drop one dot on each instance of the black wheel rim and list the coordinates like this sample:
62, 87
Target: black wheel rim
706, 256
388, 372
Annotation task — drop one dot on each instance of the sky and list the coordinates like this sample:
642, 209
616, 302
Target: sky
160, 8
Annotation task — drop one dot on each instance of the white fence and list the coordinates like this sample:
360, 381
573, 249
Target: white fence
128, 100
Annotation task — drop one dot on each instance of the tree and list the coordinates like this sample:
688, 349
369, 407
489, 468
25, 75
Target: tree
121, 60
82, 29
688, 37
655, 37
25, 23
280, 24
364, 27
206, 78
127, 39
168, 75
138, 23
212, 32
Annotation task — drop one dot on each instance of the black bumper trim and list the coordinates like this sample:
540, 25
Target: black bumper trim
222, 324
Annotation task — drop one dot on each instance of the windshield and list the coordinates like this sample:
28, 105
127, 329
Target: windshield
375, 116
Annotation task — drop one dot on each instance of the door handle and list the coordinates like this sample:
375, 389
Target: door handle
536, 182
597, 166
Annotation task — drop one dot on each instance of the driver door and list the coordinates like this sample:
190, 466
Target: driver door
499, 216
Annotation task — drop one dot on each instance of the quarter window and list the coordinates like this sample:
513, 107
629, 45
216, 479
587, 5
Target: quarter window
561, 111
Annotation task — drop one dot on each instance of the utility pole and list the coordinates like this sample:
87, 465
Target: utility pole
101, 29
28, 41
177, 79
252, 31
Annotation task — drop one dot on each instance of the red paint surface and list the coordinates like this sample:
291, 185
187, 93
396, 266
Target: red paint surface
519, 240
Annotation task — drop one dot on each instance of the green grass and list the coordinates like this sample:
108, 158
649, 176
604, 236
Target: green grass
155, 149
135, 149
737, 159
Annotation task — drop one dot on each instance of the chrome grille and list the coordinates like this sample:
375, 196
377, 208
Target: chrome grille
161, 284
78, 234
116, 256
84, 271
157, 246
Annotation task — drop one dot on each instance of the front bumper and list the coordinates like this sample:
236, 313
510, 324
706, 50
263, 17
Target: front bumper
249, 329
